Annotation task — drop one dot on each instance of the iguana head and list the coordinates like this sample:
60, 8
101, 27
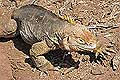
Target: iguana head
79, 38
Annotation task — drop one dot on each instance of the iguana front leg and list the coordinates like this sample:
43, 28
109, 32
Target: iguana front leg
36, 53
39, 48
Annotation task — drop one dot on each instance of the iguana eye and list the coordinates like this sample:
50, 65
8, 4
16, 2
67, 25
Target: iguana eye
81, 41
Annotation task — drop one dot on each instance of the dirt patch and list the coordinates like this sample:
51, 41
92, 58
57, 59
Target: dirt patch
88, 12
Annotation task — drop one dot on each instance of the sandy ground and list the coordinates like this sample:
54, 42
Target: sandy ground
14, 66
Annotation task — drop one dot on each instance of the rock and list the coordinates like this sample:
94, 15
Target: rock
116, 61
5, 68
98, 69
7, 26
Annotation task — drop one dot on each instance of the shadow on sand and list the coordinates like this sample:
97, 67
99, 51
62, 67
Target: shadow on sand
54, 56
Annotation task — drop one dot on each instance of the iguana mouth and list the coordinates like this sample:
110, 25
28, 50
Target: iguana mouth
81, 47
85, 47
91, 46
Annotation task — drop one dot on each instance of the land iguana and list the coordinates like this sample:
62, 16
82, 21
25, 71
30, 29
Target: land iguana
46, 31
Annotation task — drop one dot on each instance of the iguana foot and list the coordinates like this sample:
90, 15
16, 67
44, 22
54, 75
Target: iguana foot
43, 65
103, 52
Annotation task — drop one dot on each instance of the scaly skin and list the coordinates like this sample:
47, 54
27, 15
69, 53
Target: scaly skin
45, 31
36, 24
